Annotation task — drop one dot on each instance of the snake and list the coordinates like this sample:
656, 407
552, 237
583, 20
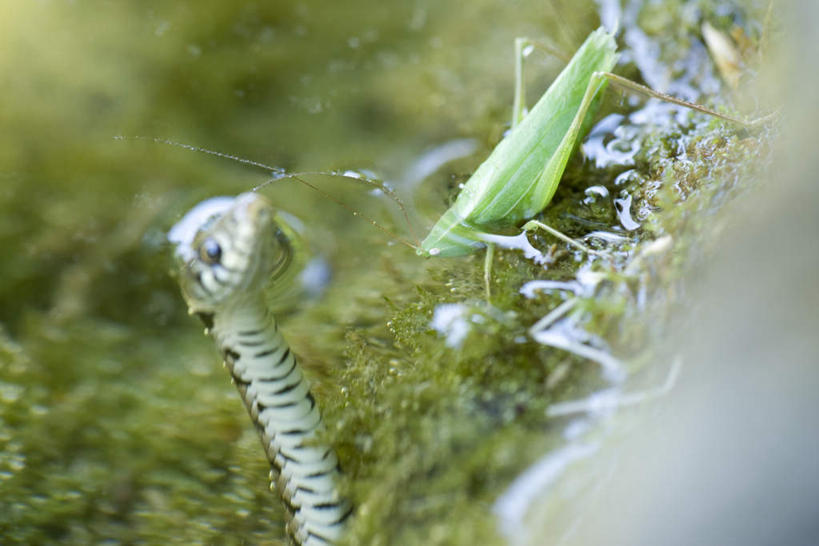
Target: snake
228, 249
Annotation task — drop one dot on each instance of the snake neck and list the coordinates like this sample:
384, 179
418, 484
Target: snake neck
278, 399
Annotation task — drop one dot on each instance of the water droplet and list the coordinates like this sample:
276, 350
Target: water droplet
623, 207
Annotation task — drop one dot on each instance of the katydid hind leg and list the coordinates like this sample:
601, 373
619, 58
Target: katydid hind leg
598, 79
553, 169
634, 87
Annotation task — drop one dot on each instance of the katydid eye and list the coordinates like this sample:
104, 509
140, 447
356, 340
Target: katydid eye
210, 251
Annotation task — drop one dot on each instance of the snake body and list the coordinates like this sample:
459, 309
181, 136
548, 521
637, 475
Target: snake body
228, 249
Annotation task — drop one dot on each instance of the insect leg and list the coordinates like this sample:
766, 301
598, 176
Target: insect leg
534, 224
596, 83
487, 270
625, 83
519, 105
523, 47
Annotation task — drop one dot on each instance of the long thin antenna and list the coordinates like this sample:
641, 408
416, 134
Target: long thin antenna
349, 175
341, 203
280, 173
193, 148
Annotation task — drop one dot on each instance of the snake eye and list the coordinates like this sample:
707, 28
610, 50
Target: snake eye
210, 251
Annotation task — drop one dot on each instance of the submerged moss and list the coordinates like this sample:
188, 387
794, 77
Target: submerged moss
116, 422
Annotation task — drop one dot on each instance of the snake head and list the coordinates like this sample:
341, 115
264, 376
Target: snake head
227, 249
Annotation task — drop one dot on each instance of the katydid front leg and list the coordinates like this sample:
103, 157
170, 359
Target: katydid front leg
518, 113
522, 47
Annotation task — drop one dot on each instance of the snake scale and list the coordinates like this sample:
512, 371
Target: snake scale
227, 250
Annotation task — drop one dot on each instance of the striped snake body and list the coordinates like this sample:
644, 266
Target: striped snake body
227, 250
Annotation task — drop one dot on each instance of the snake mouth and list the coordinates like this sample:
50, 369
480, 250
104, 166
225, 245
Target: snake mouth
270, 243
244, 236
251, 209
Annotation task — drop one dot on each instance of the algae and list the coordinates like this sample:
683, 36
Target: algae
117, 424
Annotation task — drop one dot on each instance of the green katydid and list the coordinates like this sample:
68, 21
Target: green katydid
520, 176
